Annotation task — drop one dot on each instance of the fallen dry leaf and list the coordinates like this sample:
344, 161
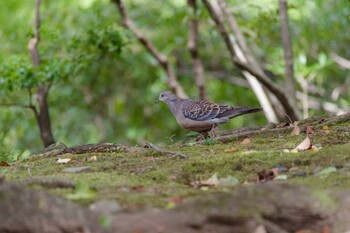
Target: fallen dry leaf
266, 175
215, 181
326, 229
4, 164
245, 141
59, 160
296, 129
212, 181
231, 150
304, 145
260, 229
326, 129
92, 158
309, 130
137, 188
175, 200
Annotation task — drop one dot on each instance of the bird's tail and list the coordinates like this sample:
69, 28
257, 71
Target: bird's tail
237, 111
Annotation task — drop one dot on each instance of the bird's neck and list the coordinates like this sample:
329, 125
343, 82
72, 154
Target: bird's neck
173, 104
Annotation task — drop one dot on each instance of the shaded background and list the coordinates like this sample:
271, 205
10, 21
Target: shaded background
104, 83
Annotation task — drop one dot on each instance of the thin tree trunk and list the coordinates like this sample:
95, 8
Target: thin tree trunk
42, 116
161, 58
288, 52
245, 55
192, 46
253, 69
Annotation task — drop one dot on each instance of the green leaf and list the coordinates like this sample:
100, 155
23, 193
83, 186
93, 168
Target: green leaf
82, 191
281, 177
327, 171
105, 222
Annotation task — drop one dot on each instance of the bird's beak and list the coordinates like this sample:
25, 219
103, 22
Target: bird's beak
157, 101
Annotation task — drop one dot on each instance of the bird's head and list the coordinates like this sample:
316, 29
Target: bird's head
166, 97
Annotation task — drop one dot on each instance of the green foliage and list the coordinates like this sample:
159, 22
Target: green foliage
82, 191
16, 72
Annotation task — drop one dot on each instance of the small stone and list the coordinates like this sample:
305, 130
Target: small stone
105, 207
77, 169
317, 170
55, 146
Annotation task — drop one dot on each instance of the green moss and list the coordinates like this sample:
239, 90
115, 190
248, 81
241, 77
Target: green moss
150, 178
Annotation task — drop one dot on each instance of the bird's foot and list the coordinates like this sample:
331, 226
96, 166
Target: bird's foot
202, 136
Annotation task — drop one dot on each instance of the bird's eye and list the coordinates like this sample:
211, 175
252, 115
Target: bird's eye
161, 95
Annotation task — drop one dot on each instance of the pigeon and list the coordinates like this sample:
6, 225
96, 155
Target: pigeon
200, 115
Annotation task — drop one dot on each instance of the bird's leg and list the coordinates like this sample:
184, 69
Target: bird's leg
212, 131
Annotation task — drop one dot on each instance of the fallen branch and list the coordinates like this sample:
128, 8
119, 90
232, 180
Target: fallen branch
49, 182
60, 149
166, 151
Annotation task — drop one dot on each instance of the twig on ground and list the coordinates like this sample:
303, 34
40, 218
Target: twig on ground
166, 151
49, 182
28, 171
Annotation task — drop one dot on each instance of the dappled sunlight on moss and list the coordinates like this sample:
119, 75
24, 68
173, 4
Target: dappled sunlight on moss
150, 178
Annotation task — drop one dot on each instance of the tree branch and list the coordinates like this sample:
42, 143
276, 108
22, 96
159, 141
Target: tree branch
42, 114
246, 65
288, 53
221, 27
245, 55
344, 63
16, 105
30, 104
167, 151
33, 43
161, 58
239, 38
192, 46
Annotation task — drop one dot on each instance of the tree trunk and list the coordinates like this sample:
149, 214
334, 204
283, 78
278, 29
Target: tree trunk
247, 65
288, 52
192, 45
43, 116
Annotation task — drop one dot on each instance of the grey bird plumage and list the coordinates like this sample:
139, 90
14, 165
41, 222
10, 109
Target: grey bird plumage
200, 115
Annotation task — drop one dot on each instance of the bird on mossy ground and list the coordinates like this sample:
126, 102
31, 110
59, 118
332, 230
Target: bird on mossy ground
200, 115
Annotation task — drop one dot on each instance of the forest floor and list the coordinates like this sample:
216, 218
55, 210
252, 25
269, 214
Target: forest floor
147, 188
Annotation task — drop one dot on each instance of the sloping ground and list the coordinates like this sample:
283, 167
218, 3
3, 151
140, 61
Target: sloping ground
144, 178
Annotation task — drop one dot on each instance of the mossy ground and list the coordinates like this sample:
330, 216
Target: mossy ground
150, 179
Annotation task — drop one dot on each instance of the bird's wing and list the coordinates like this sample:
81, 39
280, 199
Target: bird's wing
201, 110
